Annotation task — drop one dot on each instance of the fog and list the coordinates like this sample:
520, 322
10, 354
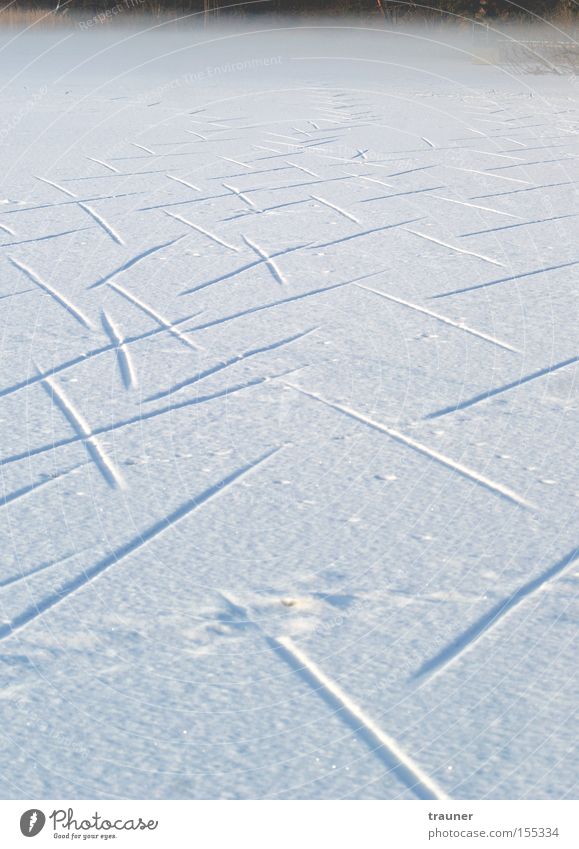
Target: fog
140, 48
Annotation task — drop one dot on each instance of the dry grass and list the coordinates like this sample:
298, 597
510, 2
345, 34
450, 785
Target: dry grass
14, 16
22, 18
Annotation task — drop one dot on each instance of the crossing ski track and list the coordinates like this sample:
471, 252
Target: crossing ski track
287, 466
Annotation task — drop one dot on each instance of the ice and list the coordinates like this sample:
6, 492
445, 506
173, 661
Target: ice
288, 413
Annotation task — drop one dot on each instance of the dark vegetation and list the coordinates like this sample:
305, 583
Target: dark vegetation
392, 10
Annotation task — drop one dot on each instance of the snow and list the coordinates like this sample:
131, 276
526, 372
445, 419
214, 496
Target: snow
288, 417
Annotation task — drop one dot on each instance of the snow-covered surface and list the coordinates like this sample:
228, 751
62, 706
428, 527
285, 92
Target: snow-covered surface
288, 415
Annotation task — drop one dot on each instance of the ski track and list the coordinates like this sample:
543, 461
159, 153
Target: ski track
126, 367
402, 194
263, 259
344, 213
199, 229
77, 421
135, 261
460, 469
110, 231
170, 326
241, 195
304, 170
239, 358
522, 276
488, 174
237, 162
536, 162
351, 150
468, 639
24, 491
523, 191
46, 238
74, 202
146, 416
507, 387
457, 324
104, 164
515, 226
273, 304
453, 247
382, 746
199, 135
275, 270
57, 186
472, 205
246, 213
137, 419
57, 296
116, 176
15, 294
142, 539
24, 576
89, 355
142, 147
184, 183
371, 232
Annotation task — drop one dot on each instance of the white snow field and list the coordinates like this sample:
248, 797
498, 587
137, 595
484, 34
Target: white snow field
288, 417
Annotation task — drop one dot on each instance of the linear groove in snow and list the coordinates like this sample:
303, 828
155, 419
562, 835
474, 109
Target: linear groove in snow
73, 202
270, 263
183, 182
261, 307
515, 226
45, 238
521, 276
104, 164
262, 259
360, 235
473, 206
241, 195
57, 186
24, 491
202, 230
134, 261
124, 358
507, 387
453, 247
432, 454
225, 364
171, 408
83, 358
109, 230
336, 208
79, 424
170, 326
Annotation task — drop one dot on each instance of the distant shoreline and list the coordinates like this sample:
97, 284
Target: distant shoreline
385, 12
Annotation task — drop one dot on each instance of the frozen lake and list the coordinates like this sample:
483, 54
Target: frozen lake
288, 413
